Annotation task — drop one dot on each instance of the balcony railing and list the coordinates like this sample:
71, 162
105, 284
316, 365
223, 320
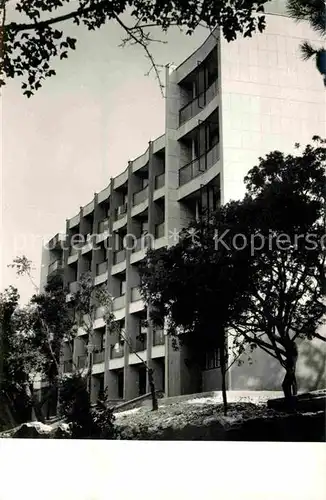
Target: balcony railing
67, 366
158, 337
199, 165
81, 361
140, 244
160, 230
103, 226
140, 196
198, 103
119, 256
159, 181
116, 351
98, 357
119, 302
54, 266
135, 294
73, 287
101, 268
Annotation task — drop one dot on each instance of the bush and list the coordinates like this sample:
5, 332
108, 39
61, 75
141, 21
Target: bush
86, 422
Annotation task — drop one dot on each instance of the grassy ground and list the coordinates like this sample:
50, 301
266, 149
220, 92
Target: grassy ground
248, 418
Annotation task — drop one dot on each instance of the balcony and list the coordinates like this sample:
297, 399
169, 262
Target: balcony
67, 366
135, 294
160, 230
121, 212
140, 345
99, 312
140, 196
101, 268
81, 361
116, 351
160, 181
119, 302
55, 266
119, 256
140, 244
197, 104
103, 226
158, 337
98, 357
73, 287
199, 165
74, 249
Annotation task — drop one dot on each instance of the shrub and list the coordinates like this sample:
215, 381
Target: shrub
86, 422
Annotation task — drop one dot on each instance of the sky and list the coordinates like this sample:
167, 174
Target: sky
63, 144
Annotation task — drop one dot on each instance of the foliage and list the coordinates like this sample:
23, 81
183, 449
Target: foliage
30, 45
314, 12
18, 361
86, 422
287, 195
267, 294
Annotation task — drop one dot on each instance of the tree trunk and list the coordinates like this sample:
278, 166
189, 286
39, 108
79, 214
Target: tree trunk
289, 384
223, 374
152, 389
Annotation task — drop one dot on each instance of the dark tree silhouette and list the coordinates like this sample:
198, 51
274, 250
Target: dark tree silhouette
29, 46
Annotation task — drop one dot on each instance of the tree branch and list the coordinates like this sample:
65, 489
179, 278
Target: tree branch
143, 41
53, 20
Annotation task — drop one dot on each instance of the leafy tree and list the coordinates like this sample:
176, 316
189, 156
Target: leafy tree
29, 46
314, 12
18, 364
198, 287
232, 274
287, 194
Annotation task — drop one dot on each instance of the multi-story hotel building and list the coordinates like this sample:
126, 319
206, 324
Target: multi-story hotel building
226, 105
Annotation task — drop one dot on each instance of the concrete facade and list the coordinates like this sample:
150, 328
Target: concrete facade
226, 105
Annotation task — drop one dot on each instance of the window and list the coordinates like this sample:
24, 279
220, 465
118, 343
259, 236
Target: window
212, 360
101, 392
212, 135
123, 286
196, 147
102, 342
144, 227
119, 241
195, 88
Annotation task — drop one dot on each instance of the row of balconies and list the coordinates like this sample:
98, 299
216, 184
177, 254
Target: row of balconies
119, 302
116, 351
118, 257
139, 197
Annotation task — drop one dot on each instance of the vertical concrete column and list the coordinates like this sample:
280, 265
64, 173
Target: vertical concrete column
96, 220
130, 381
110, 379
45, 261
81, 267
66, 255
172, 210
153, 170
220, 116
